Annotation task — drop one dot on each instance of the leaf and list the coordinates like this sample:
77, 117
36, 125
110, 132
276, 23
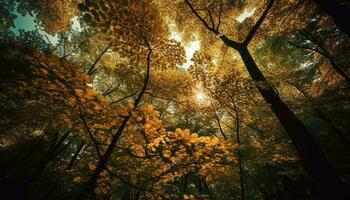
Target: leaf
77, 179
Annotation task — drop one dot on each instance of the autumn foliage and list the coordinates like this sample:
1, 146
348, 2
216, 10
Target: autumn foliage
97, 101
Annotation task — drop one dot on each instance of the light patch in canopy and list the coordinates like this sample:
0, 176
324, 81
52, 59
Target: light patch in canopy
190, 49
200, 96
246, 14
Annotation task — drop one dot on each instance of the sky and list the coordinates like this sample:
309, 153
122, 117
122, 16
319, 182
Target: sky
28, 23
246, 14
194, 46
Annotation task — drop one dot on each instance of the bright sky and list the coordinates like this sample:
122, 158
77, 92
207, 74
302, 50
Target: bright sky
190, 48
76, 24
27, 23
194, 46
245, 15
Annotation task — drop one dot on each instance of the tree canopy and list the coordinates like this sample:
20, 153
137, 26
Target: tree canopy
180, 99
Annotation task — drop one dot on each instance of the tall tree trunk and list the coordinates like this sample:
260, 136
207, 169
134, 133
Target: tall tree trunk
185, 184
206, 188
328, 184
313, 159
90, 185
338, 12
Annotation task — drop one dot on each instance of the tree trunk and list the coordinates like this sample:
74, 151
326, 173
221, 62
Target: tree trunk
90, 185
328, 184
338, 12
314, 161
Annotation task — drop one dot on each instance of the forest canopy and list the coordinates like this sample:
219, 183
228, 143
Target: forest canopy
175, 99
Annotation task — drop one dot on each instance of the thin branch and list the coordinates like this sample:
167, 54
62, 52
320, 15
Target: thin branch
219, 18
78, 47
323, 79
307, 48
290, 13
92, 68
163, 98
55, 48
219, 123
147, 77
125, 181
210, 17
194, 11
90, 135
132, 154
110, 90
121, 99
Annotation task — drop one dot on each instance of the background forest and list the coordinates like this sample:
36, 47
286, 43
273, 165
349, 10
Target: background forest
174, 99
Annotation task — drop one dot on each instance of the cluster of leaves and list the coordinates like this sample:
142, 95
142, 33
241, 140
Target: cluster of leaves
45, 90
130, 27
115, 94
59, 12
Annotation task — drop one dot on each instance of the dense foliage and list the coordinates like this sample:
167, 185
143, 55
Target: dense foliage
123, 106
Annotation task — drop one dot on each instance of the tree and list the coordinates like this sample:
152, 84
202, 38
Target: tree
322, 172
144, 16
110, 110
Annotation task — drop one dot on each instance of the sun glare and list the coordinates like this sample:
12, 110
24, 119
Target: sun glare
176, 36
200, 97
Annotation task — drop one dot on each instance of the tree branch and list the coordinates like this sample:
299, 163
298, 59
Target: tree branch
92, 68
194, 11
121, 99
219, 123
258, 23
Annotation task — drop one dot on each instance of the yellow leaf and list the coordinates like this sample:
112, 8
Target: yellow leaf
130, 106
78, 92
37, 133
92, 166
147, 126
77, 179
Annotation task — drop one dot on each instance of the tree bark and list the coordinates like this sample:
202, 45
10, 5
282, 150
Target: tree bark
328, 184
